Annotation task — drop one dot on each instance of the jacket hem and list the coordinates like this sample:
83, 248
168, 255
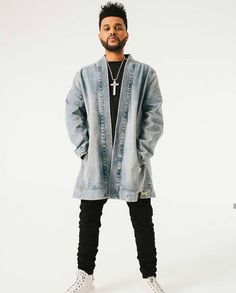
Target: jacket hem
99, 193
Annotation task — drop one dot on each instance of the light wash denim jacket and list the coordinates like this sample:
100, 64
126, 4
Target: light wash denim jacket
123, 170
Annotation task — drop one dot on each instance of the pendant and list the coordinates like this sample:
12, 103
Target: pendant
114, 85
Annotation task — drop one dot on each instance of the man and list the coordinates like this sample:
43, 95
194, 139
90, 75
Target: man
114, 119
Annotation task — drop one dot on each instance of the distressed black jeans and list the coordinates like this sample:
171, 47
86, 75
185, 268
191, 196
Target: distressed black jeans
141, 213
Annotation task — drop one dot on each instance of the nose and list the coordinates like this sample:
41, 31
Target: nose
113, 35
113, 32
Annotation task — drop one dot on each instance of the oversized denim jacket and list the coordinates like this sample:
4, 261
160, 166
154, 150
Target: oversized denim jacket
123, 170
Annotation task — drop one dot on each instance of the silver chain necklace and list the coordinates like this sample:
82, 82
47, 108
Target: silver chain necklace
115, 84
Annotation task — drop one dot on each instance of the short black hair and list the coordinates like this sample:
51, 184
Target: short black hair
113, 9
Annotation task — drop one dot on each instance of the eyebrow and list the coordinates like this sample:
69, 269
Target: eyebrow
115, 24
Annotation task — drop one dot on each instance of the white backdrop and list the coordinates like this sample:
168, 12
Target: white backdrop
192, 46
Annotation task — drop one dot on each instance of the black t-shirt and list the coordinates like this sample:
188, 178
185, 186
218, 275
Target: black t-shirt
114, 99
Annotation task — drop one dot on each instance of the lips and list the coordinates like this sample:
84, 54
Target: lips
112, 38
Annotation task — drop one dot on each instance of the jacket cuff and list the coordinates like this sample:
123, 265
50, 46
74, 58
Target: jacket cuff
82, 149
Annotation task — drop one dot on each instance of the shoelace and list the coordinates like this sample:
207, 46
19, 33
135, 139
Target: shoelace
78, 279
152, 281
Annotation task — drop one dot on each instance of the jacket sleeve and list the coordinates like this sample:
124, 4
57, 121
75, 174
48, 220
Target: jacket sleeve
152, 119
76, 117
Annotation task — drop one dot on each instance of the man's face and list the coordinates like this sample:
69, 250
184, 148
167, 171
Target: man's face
113, 26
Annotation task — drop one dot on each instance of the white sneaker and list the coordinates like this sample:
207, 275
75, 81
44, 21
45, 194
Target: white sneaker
150, 285
83, 283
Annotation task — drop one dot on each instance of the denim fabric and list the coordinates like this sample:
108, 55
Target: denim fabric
123, 170
141, 213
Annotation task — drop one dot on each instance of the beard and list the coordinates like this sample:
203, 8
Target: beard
114, 48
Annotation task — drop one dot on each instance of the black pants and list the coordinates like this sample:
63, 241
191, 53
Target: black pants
141, 217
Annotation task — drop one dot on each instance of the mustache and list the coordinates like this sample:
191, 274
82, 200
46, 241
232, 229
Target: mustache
113, 37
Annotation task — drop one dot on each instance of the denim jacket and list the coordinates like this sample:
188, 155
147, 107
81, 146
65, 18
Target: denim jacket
123, 170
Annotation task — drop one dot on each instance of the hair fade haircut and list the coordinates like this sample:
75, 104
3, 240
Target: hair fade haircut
113, 9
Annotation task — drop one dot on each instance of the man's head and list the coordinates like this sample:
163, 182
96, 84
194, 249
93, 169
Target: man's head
113, 22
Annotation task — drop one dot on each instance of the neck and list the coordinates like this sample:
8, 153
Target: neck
114, 56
